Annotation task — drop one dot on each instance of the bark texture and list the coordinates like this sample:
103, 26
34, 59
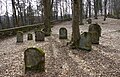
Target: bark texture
75, 24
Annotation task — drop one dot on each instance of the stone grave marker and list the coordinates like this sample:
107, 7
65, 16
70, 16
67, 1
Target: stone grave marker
89, 21
85, 41
63, 33
34, 59
39, 35
95, 37
95, 27
30, 36
19, 37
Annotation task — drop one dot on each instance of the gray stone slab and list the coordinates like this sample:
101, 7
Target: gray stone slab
85, 41
63, 33
19, 37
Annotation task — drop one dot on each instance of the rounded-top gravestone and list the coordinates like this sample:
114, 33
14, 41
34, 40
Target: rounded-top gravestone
30, 36
95, 27
19, 37
34, 59
39, 35
63, 33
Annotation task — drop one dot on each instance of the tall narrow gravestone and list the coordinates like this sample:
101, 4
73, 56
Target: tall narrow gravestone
19, 37
63, 33
85, 41
39, 35
34, 59
30, 36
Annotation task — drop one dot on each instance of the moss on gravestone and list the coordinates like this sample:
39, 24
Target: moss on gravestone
34, 60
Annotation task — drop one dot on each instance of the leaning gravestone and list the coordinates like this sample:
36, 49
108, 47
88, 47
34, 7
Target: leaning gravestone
30, 36
85, 41
63, 33
19, 37
34, 59
95, 27
39, 35
95, 37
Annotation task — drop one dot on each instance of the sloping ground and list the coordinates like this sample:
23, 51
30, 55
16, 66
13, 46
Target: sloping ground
102, 61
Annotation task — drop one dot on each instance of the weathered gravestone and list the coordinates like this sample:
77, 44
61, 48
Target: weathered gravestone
63, 33
30, 36
39, 35
19, 37
95, 37
95, 27
89, 21
85, 41
34, 59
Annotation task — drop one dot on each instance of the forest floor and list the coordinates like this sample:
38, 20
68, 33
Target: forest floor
60, 60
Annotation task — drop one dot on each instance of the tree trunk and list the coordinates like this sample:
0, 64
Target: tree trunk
100, 5
56, 7
47, 13
86, 15
7, 20
95, 8
14, 14
75, 24
51, 13
89, 5
61, 10
0, 23
7, 16
81, 12
105, 10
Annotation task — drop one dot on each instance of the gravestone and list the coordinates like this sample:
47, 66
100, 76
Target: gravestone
85, 41
95, 27
34, 59
89, 21
95, 37
30, 36
19, 37
39, 35
63, 33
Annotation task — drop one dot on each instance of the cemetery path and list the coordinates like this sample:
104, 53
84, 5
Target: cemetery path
103, 60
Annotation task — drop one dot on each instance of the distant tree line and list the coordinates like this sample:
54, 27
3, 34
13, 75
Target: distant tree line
25, 13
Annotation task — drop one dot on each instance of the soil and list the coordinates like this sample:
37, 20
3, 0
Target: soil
60, 60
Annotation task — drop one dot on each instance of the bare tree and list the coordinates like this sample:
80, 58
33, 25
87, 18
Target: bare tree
15, 19
105, 9
47, 13
0, 14
81, 12
89, 5
75, 24
96, 8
